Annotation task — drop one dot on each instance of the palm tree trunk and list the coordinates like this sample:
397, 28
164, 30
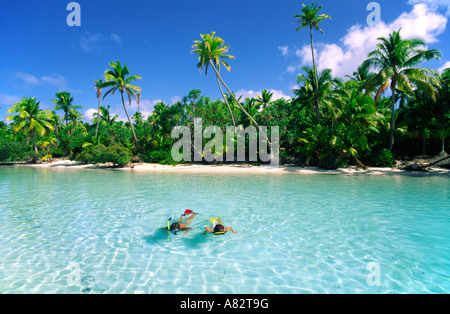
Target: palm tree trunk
98, 116
392, 129
234, 97
443, 152
66, 117
237, 101
226, 101
35, 146
129, 120
424, 146
316, 81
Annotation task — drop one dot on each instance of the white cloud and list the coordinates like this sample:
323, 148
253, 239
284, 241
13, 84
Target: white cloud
88, 115
422, 22
435, 4
96, 42
277, 94
91, 42
146, 107
284, 50
116, 38
305, 54
445, 66
291, 68
53, 79
175, 99
27, 78
345, 57
9, 100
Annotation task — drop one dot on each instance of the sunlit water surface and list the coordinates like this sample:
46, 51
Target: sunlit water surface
94, 231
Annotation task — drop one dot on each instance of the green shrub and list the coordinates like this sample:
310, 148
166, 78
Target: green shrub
11, 151
160, 157
115, 154
99, 154
118, 155
5, 154
84, 157
384, 158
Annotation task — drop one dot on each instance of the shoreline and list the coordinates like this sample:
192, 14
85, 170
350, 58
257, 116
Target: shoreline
236, 169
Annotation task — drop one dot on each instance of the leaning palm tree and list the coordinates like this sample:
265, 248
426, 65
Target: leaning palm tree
31, 120
397, 60
212, 51
311, 19
98, 87
117, 80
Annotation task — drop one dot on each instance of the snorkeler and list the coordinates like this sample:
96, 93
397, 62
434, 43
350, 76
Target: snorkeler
181, 225
218, 227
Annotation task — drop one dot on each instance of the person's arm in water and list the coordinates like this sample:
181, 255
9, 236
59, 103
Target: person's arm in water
208, 229
227, 229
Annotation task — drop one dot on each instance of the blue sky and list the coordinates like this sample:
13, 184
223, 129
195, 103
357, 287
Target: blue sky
42, 55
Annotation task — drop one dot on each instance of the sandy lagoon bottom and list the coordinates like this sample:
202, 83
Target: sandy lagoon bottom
98, 231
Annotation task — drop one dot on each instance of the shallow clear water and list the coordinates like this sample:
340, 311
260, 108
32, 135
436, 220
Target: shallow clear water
84, 231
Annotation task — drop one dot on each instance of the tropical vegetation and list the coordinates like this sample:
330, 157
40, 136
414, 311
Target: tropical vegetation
328, 122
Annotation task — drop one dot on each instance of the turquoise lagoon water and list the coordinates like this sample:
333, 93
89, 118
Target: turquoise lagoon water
94, 231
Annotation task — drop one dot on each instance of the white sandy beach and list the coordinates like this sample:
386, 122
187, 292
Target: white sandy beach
238, 169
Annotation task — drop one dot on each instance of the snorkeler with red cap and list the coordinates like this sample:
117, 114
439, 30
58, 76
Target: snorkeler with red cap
181, 225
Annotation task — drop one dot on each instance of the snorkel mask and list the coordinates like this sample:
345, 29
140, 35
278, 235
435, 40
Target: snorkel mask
219, 232
214, 220
168, 227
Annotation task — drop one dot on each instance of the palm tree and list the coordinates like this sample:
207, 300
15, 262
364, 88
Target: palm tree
212, 51
252, 107
46, 143
116, 79
265, 99
327, 92
105, 116
138, 117
138, 101
31, 120
98, 87
397, 60
310, 18
64, 101
193, 96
